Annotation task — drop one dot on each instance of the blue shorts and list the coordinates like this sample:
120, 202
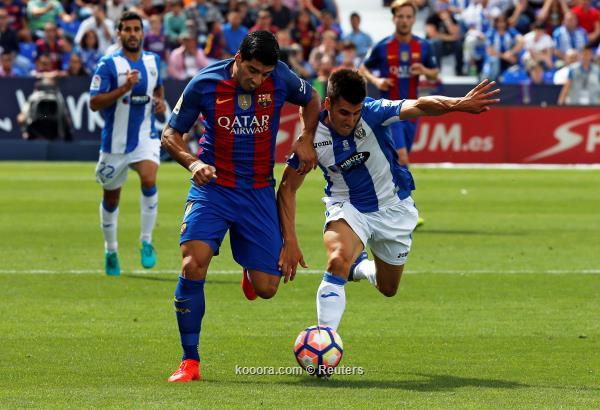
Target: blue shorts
251, 217
403, 134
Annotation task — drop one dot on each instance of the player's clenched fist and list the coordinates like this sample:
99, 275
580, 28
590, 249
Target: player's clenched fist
132, 78
202, 173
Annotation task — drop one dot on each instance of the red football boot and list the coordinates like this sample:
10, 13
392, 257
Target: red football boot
247, 286
188, 371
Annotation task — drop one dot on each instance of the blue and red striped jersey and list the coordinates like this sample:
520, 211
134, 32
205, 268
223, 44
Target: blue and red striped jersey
393, 60
241, 126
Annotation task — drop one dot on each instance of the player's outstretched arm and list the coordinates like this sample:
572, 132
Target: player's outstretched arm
291, 254
478, 100
173, 142
303, 146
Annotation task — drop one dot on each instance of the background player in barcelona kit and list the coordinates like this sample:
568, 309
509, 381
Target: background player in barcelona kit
367, 193
401, 59
232, 179
127, 88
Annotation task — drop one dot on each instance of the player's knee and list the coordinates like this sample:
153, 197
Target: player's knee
388, 290
265, 290
148, 182
338, 263
193, 269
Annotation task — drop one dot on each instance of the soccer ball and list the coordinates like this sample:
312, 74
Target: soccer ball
318, 349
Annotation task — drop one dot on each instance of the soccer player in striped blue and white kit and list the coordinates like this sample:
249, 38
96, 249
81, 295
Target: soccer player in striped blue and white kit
367, 196
127, 89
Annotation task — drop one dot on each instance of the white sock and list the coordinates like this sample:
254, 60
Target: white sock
149, 210
366, 270
331, 301
108, 223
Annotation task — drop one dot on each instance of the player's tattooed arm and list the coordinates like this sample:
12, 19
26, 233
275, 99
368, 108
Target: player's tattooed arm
478, 100
291, 254
172, 141
303, 146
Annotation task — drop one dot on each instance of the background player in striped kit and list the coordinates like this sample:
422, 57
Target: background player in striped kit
401, 59
127, 88
367, 193
232, 178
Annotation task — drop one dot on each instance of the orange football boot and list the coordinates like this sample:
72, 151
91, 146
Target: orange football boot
188, 371
247, 286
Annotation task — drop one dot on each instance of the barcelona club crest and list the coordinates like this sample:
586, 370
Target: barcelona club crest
244, 101
264, 100
404, 56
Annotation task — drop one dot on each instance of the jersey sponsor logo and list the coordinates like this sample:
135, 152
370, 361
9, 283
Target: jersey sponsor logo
96, 81
322, 144
243, 100
178, 105
264, 100
244, 124
223, 100
139, 99
351, 163
402, 71
450, 138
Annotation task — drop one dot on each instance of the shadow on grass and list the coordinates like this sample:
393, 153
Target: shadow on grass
431, 383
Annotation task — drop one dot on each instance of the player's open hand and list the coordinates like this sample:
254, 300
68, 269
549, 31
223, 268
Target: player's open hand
480, 98
289, 258
202, 173
307, 156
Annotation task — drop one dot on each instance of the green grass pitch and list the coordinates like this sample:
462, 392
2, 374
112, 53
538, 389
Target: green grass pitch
499, 308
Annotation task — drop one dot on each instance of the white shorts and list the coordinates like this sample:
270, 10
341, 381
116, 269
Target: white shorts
388, 232
111, 171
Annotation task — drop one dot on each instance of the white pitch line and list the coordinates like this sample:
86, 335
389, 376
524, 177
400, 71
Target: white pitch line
307, 271
506, 166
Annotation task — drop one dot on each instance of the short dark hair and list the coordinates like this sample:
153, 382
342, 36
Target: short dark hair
354, 15
347, 84
260, 45
129, 15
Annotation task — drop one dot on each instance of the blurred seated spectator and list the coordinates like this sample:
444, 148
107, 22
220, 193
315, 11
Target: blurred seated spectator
8, 37
89, 50
215, 42
155, 40
537, 74
303, 32
539, 46
317, 7
347, 57
552, 14
562, 75
52, 45
174, 23
525, 13
44, 68
202, 13
327, 50
45, 115
41, 12
248, 15
588, 18
294, 57
443, 34
16, 14
361, 40
233, 32
102, 26
147, 9
328, 24
114, 9
264, 22
186, 60
75, 67
504, 47
323, 73
583, 85
569, 35
7, 67
281, 14
475, 24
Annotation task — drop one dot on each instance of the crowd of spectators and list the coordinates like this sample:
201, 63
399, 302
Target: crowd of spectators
513, 41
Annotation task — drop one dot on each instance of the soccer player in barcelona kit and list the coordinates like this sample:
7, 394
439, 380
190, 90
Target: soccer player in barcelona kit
127, 89
232, 178
367, 196
401, 59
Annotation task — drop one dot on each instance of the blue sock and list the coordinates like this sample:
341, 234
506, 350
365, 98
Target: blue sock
149, 191
189, 309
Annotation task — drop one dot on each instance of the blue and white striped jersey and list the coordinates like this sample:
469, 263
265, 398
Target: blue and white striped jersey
132, 115
362, 167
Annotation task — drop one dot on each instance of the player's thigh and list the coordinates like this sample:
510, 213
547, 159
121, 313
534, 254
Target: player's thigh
111, 170
345, 235
388, 276
255, 235
196, 256
206, 218
147, 170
